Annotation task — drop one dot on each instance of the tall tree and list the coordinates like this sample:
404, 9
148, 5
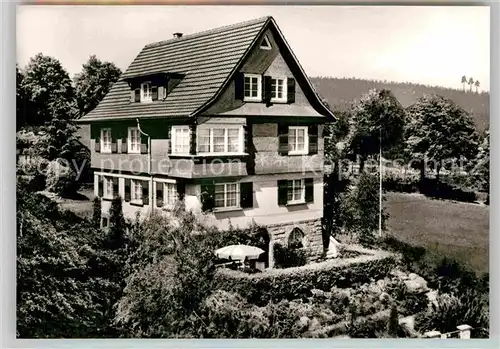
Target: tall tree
471, 83
464, 81
94, 82
440, 131
378, 120
481, 170
48, 87
477, 84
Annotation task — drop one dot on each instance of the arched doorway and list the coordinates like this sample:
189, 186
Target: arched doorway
262, 240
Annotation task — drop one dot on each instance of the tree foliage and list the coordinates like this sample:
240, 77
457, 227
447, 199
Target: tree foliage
440, 131
481, 169
378, 120
48, 90
94, 82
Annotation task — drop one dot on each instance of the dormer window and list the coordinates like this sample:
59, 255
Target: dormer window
146, 92
278, 90
253, 87
265, 44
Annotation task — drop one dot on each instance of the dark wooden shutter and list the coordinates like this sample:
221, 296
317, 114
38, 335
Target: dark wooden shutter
207, 196
137, 95
309, 184
127, 189
124, 145
114, 147
239, 86
159, 194
282, 192
247, 137
192, 139
313, 139
154, 93
97, 145
144, 144
290, 91
283, 139
145, 192
181, 189
100, 186
246, 195
116, 191
266, 89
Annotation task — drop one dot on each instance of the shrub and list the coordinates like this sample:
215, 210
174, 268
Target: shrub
61, 178
297, 282
287, 257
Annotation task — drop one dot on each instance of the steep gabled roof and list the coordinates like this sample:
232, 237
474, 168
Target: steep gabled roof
208, 60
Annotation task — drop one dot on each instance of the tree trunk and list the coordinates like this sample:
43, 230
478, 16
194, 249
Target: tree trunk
438, 169
422, 171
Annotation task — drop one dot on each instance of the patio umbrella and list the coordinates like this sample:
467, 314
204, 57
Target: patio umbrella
239, 252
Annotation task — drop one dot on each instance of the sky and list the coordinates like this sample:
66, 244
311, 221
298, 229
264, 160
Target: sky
427, 44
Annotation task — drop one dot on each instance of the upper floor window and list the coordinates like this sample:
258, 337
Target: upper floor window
180, 140
278, 90
106, 140
220, 140
298, 142
146, 92
134, 140
252, 87
265, 44
227, 195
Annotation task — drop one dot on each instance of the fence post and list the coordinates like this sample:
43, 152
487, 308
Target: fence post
464, 331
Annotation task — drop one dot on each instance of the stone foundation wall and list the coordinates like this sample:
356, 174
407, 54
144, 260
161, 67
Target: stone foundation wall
312, 241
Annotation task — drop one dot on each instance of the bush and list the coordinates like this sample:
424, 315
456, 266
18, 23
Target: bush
297, 282
61, 178
287, 257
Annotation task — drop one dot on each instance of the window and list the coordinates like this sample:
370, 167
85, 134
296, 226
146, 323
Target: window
298, 140
220, 140
136, 191
295, 191
227, 195
253, 87
106, 140
134, 140
180, 140
265, 44
146, 92
108, 187
278, 90
169, 193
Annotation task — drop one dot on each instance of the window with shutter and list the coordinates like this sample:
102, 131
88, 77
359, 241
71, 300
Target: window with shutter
278, 90
252, 88
136, 192
146, 92
298, 140
105, 140
134, 140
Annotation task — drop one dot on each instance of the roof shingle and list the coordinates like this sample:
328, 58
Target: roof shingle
207, 59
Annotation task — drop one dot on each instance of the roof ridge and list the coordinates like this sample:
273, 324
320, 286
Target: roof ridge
209, 31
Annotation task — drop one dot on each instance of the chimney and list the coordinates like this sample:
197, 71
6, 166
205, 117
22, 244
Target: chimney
177, 35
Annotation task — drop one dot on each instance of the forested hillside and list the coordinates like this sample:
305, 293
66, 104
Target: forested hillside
341, 92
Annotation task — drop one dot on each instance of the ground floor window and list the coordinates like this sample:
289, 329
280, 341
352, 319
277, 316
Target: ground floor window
227, 195
136, 191
108, 187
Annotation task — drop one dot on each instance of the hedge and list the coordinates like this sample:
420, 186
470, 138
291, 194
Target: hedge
297, 282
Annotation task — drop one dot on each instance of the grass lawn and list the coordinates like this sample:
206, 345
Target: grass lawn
452, 229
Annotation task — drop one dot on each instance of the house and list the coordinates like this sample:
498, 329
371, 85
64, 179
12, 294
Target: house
225, 119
